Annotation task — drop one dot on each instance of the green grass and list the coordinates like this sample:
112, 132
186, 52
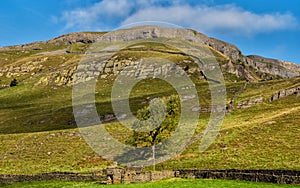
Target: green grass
79, 47
176, 183
261, 137
15, 54
44, 152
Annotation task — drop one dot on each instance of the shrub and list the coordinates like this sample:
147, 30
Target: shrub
13, 83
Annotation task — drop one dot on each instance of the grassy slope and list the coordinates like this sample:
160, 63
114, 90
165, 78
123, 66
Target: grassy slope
47, 152
261, 137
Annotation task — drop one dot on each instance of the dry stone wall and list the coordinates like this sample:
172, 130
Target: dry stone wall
269, 176
119, 175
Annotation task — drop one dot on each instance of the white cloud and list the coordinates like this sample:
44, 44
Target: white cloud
102, 12
227, 19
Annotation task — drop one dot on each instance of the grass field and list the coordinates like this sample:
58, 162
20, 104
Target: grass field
265, 137
174, 183
38, 132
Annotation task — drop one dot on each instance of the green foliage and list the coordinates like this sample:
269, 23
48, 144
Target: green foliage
13, 83
165, 121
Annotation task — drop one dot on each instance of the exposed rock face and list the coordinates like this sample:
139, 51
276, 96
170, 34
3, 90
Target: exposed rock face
242, 72
278, 95
30, 67
72, 38
225, 48
130, 68
260, 64
251, 68
154, 32
185, 34
285, 93
59, 78
272, 66
249, 103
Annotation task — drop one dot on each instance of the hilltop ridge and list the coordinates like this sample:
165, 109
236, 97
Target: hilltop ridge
252, 67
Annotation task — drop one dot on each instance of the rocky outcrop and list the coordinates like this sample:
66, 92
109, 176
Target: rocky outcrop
71, 38
278, 95
284, 93
252, 68
185, 34
67, 39
145, 32
249, 103
63, 77
114, 66
30, 67
259, 64
272, 66
225, 48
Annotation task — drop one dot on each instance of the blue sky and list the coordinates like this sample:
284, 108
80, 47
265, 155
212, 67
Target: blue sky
261, 27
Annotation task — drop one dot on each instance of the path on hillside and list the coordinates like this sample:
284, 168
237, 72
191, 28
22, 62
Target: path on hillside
55, 52
263, 119
257, 120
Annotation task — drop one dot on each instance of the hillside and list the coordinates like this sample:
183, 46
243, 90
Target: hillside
38, 131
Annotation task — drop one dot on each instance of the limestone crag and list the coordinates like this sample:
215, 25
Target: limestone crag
67, 39
249, 103
63, 77
164, 32
284, 93
30, 67
225, 48
72, 38
252, 68
273, 67
260, 64
153, 32
130, 68
278, 95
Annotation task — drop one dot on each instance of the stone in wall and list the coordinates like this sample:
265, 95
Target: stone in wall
118, 175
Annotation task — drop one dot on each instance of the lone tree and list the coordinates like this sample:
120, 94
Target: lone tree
161, 119
13, 83
162, 130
